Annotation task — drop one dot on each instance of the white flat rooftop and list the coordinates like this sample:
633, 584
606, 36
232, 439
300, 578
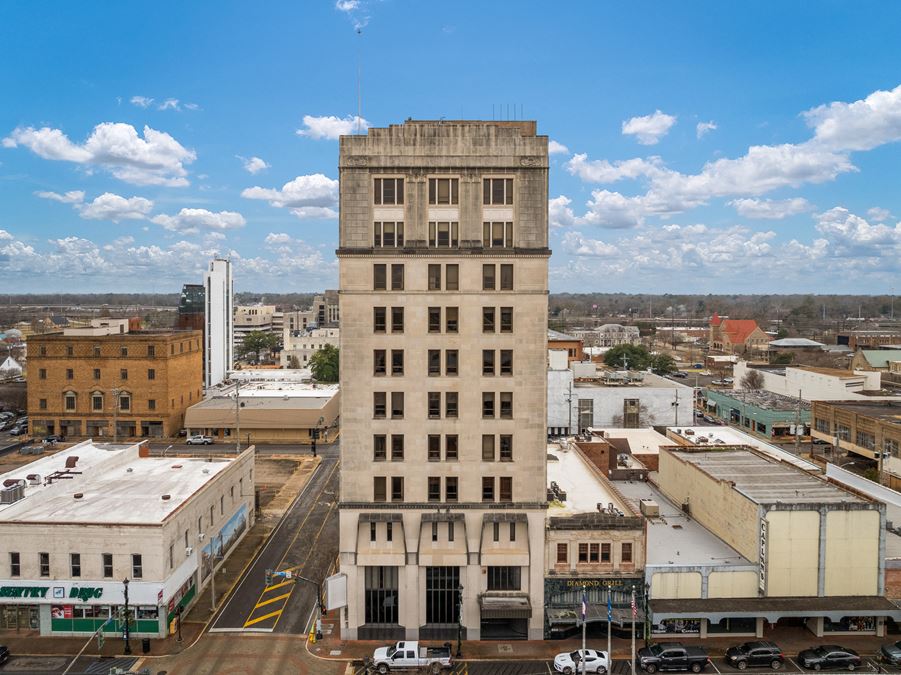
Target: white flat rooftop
719, 435
641, 441
117, 486
673, 538
583, 489
275, 389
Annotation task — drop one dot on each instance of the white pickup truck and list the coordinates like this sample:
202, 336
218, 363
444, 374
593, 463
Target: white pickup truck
409, 655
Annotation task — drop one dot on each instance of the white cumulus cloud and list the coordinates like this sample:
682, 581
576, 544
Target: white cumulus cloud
704, 128
254, 164
603, 171
191, 221
311, 196
71, 197
331, 127
575, 243
559, 212
770, 209
155, 159
649, 129
878, 214
555, 148
109, 206
142, 101
860, 125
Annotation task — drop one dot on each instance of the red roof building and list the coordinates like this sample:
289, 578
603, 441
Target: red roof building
737, 336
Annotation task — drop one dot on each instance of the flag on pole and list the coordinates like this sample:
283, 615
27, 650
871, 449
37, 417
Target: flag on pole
634, 608
609, 608
584, 605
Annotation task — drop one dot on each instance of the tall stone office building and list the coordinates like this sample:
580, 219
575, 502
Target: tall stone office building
443, 282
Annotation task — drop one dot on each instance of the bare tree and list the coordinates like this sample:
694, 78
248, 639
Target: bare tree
752, 380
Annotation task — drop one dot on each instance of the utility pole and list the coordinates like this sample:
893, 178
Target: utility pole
237, 418
569, 402
798, 426
126, 633
675, 405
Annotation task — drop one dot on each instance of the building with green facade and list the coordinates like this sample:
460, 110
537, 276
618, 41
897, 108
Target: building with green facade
759, 412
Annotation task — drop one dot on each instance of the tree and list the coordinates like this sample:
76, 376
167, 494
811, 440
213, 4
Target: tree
663, 364
324, 364
752, 379
256, 341
635, 357
293, 362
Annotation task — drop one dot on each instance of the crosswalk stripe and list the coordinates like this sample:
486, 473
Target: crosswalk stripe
274, 586
271, 600
262, 618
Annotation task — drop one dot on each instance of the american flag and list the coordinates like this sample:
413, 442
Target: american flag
634, 608
584, 604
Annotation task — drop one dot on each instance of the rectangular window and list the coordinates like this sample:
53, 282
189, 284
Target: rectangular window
451, 319
434, 494
151, 350
397, 489
70, 400
42, 403
43, 350
388, 234
488, 277
434, 399
506, 448
506, 277
605, 553
389, 531
171, 556
124, 402
42, 373
70, 350
107, 565
434, 356
123, 351
378, 489
389, 191
506, 405
378, 319
487, 319
504, 578
562, 553
397, 405
626, 552
151, 374
506, 362
443, 191
443, 234
487, 489
593, 553
487, 362
137, 566
583, 553
496, 532
487, 404
397, 447
123, 374
451, 406
497, 191
506, 319
379, 404
487, 448
378, 362
96, 373
15, 564
450, 531
450, 489
379, 447
452, 277
866, 440
434, 448
397, 319
434, 538
379, 277
497, 235
434, 319
506, 489
373, 532
451, 445
397, 277
397, 361
44, 564
434, 277
451, 361
70, 374
512, 531
151, 404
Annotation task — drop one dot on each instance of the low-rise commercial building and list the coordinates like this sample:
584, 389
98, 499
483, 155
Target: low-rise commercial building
885, 360
300, 344
108, 381
608, 335
75, 524
737, 336
760, 412
568, 343
813, 383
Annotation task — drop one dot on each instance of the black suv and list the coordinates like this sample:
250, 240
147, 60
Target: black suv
755, 655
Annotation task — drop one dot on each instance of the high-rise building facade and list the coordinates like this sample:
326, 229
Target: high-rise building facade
443, 286
220, 326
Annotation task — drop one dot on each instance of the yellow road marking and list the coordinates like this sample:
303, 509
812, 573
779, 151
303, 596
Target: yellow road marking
269, 602
262, 618
274, 586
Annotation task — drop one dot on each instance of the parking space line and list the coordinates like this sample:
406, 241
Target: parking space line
271, 600
713, 663
262, 618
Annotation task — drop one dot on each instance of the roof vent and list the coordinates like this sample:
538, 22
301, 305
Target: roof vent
129, 470
78, 495
9, 482
176, 466
34, 479
206, 470
12, 494
166, 498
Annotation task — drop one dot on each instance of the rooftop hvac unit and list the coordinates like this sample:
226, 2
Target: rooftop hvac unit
12, 494
649, 508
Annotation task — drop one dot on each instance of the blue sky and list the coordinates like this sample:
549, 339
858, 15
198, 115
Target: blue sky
699, 147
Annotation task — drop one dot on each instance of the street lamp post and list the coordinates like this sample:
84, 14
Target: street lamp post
459, 620
126, 631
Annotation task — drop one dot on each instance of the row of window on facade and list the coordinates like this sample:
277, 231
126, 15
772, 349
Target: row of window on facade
494, 447
491, 280
443, 191
442, 234
494, 489
124, 350
864, 439
594, 552
376, 536
490, 318
494, 362
70, 401
97, 373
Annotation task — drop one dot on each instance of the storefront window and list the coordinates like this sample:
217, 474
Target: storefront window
677, 626
742, 625
850, 624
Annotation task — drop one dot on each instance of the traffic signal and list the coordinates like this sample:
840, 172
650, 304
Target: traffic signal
268, 578
100, 640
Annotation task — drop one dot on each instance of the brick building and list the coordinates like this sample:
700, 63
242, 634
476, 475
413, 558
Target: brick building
76, 377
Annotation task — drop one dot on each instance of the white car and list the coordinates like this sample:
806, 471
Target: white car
200, 440
570, 663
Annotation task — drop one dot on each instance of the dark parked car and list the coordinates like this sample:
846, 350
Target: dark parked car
18, 431
829, 657
54, 438
672, 656
4, 655
755, 655
891, 653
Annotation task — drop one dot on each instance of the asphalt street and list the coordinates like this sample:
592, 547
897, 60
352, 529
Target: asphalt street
305, 543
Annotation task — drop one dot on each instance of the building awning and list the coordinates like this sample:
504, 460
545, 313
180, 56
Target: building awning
622, 616
772, 609
505, 607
